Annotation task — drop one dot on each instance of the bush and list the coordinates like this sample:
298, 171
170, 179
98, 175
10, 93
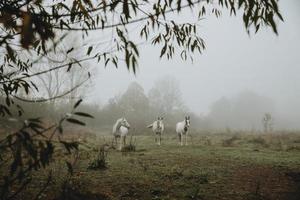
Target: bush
100, 161
260, 141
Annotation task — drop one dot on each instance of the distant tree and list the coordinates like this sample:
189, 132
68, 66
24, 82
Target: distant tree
134, 98
242, 111
165, 96
135, 105
267, 122
248, 107
221, 113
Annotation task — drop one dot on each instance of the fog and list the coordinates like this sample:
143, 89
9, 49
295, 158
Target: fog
233, 62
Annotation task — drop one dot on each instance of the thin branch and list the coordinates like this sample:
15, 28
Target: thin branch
48, 70
52, 98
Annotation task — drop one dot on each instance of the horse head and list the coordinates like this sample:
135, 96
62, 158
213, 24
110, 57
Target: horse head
125, 123
159, 122
187, 121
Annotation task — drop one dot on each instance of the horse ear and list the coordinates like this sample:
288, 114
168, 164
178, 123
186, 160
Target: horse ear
161, 118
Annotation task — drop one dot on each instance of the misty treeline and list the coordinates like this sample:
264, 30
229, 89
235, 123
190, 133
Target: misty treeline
138, 107
245, 111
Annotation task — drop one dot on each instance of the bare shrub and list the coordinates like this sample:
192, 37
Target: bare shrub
230, 142
131, 147
208, 141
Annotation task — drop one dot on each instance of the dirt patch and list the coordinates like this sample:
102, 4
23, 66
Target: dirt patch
267, 183
72, 193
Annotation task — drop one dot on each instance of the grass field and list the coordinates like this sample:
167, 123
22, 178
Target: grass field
212, 166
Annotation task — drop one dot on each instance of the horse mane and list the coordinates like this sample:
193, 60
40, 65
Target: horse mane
117, 125
157, 123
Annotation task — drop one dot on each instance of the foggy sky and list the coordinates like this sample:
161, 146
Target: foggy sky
233, 62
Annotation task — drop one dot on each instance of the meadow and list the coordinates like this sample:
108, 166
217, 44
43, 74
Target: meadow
213, 166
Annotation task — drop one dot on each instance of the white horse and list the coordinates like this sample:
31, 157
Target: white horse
120, 130
157, 128
182, 129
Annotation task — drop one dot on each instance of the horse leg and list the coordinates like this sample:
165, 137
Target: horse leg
186, 137
124, 140
159, 139
180, 139
121, 141
116, 141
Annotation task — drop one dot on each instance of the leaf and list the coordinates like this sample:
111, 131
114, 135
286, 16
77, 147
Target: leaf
34, 85
70, 50
77, 103
106, 62
10, 53
75, 121
69, 146
60, 129
257, 28
7, 100
163, 51
5, 109
83, 114
272, 23
134, 48
89, 50
126, 9
89, 3
127, 58
69, 67
178, 5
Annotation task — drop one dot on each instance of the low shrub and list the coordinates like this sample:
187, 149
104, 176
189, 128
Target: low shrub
100, 162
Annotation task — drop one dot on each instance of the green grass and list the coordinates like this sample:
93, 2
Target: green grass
201, 170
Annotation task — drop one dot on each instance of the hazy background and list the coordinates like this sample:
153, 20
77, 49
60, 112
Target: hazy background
234, 62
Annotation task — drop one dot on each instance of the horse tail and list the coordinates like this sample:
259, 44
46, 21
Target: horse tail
150, 126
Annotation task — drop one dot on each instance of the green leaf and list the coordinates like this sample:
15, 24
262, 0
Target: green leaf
83, 114
126, 9
75, 121
163, 51
77, 103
